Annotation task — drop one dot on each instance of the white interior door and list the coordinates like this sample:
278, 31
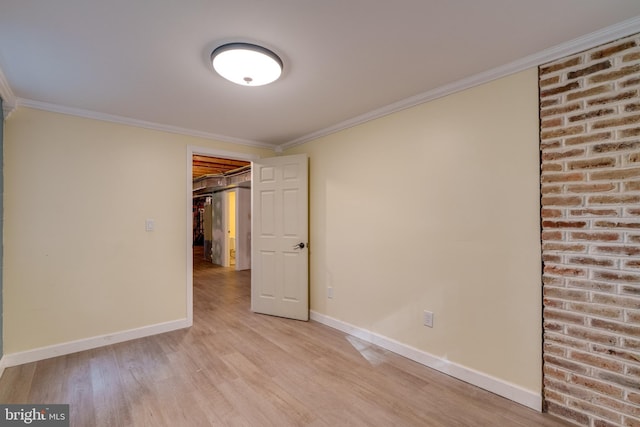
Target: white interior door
280, 229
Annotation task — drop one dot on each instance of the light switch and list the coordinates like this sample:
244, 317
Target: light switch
149, 225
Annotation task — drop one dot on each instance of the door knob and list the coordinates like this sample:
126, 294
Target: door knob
299, 246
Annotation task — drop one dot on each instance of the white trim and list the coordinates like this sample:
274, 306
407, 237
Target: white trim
55, 108
191, 150
588, 41
55, 350
500, 387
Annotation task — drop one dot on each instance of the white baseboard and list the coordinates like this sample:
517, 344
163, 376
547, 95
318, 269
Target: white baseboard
14, 359
2, 365
487, 382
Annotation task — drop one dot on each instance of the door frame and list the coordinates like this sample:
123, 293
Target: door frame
213, 152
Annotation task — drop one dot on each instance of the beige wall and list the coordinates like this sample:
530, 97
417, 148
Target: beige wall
78, 262
437, 208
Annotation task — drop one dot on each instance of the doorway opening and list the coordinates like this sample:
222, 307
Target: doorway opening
202, 164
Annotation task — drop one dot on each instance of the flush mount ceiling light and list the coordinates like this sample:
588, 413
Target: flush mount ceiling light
246, 64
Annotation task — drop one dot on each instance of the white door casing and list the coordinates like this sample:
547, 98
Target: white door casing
280, 237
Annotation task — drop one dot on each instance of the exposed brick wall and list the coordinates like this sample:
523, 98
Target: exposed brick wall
590, 184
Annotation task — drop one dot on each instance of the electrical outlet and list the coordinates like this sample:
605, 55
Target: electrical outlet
329, 292
427, 318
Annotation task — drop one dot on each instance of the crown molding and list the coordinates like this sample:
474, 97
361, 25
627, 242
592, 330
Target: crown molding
79, 112
8, 98
606, 35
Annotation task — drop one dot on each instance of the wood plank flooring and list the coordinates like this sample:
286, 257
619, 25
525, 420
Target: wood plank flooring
237, 368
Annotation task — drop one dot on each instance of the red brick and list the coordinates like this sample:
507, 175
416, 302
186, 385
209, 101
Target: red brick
591, 188
611, 99
564, 224
613, 200
553, 372
592, 336
561, 154
552, 235
566, 294
564, 316
630, 422
598, 386
561, 201
595, 237
551, 123
620, 328
616, 174
559, 90
616, 277
614, 224
562, 177
633, 211
564, 247
632, 107
634, 317
631, 290
625, 381
566, 342
615, 146
592, 285
612, 50
550, 81
619, 250
616, 300
590, 92
551, 167
565, 364
596, 310
633, 397
552, 303
615, 75
634, 56
632, 186
552, 281
598, 411
601, 262
603, 423
551, 213
604, 162
599, 66
631, 82
631, 344
594, 212
616, 352
549, 102
632, 264
550, 145
559, 110
551, 189
559, 271
620, 121
560, 66
563, 411
628, 133
592, 114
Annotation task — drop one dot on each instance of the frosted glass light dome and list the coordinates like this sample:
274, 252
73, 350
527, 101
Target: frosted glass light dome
246, 64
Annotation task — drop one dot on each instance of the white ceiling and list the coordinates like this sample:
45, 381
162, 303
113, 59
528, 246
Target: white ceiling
146, 62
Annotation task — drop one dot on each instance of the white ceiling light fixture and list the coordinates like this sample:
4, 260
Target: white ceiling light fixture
246, 64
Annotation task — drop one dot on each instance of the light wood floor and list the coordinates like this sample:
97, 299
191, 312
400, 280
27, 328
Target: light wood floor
236, 368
